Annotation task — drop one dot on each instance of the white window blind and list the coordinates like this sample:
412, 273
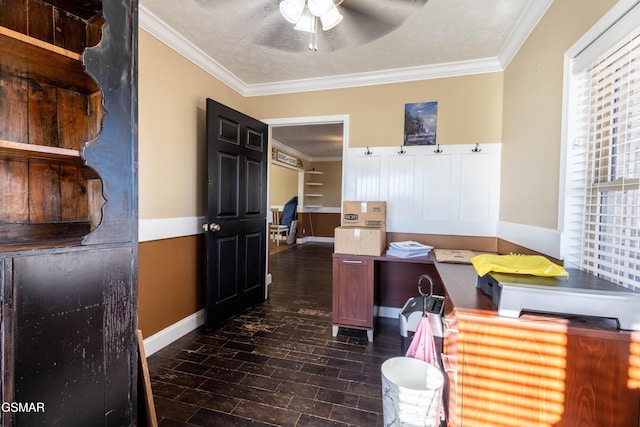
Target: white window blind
603, 175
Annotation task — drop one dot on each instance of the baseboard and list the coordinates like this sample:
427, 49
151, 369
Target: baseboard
171, 333
308, 239
390, 312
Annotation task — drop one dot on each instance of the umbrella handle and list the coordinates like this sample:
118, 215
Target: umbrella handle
425, 276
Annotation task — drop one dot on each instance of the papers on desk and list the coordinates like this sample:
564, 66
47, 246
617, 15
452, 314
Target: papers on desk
408, 249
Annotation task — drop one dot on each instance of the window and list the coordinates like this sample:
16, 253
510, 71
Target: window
602, 199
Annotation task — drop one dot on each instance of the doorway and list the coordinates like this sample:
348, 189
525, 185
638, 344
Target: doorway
308, 142
312, 147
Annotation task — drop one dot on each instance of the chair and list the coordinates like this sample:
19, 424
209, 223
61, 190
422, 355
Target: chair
277, 231
282, 225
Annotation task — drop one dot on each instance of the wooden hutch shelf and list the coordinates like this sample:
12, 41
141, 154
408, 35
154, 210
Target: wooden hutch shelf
25, 56
13, 149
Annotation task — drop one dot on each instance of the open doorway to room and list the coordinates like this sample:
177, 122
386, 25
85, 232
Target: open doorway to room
306, 162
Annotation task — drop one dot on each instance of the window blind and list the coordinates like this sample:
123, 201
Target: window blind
603, 175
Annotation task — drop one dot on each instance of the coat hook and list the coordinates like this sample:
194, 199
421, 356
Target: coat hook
437, 150
368, 152
402, 150
476, 150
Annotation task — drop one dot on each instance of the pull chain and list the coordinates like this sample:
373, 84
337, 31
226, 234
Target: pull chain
313, 37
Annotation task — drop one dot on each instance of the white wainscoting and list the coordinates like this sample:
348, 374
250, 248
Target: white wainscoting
455, 191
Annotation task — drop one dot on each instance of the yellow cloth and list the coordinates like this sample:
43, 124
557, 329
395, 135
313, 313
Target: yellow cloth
519, 264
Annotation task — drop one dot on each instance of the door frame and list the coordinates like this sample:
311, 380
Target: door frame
299, 121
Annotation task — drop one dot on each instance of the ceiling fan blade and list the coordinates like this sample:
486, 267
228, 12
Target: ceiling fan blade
276, 33
364, 21
370, 23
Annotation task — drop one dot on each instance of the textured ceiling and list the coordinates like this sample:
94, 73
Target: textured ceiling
313, 141
249, 45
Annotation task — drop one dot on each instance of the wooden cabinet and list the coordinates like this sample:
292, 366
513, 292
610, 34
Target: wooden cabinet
537, 370
353, 293
68, 210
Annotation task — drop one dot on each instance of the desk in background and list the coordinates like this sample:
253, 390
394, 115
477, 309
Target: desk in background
364, 285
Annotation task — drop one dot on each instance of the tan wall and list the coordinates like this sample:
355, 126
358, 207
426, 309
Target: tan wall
331, 179
172, 105
469, 109
533, 114
283, 185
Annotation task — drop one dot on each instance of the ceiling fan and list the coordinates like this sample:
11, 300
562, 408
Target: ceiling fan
361, 21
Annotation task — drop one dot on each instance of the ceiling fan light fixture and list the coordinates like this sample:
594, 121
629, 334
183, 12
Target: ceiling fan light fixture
306, 23
292, 10
331, 18
319, 7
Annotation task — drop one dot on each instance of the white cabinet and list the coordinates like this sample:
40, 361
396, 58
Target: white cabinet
454, 191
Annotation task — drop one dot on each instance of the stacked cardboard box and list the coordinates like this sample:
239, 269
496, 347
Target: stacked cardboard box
364, 228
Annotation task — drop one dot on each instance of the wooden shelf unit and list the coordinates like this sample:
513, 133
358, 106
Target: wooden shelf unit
68, 212
313, 185
24, 56
52, 108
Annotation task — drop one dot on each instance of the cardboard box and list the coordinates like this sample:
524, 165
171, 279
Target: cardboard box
364, 214
360, 240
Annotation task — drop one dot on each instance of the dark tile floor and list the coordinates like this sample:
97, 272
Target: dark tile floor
277, 364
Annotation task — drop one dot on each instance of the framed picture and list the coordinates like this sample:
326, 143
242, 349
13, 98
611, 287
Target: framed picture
420, 120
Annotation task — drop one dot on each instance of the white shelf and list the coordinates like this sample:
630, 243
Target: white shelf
314, 172
314, 183
313, 195
313, 206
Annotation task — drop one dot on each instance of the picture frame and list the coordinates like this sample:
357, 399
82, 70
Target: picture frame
420, 123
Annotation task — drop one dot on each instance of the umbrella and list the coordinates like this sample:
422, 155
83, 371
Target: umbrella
422, 345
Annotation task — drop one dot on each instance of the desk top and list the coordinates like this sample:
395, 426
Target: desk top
384, 258
460, 287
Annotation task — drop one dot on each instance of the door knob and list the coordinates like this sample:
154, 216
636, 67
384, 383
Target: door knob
211, 227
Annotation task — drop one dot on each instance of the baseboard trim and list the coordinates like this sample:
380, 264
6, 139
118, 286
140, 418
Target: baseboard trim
390, 312
172, 333
307, 239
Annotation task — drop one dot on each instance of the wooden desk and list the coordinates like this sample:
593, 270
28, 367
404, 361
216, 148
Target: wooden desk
537, 370
361, 284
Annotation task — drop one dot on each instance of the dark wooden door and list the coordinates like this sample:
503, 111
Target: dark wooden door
235, 228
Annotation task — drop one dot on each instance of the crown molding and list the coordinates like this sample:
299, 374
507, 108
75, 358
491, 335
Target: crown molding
522, 30
400, 75
163, 32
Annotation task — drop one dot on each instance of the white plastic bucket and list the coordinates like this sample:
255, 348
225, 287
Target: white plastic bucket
411, 393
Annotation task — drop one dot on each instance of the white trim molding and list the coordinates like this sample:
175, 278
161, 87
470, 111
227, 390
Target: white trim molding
163, 32
172, 333
543, 240
167, 228
522, 30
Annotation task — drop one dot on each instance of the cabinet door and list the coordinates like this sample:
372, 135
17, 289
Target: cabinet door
537, 376
353, 292
512, 374
71, 348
